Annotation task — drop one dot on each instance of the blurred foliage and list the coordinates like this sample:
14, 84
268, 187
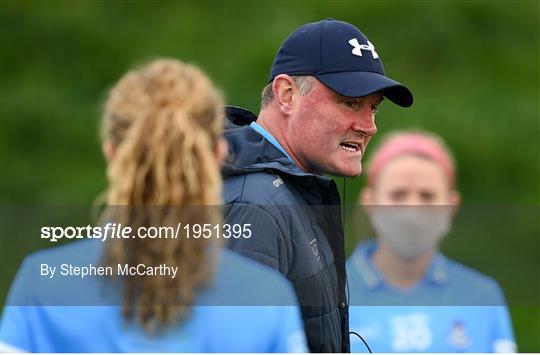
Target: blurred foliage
473, 67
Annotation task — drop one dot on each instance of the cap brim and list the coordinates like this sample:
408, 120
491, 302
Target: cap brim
358, 84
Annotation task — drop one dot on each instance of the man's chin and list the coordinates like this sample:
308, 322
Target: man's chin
350, 172
355, 175
343, 170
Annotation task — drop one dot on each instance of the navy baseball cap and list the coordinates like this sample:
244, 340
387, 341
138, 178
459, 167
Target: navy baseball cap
339, 56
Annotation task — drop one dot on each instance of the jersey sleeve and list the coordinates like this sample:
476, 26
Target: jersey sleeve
503, 336
15, 324
290, 335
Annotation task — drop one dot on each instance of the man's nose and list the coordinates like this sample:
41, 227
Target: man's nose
365, 122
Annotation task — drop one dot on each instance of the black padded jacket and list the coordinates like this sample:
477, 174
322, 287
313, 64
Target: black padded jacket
296, 228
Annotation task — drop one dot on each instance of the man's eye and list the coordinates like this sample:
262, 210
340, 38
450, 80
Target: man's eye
374, 109
352, 104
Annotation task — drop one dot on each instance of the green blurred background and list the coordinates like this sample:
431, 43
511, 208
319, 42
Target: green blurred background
473, 67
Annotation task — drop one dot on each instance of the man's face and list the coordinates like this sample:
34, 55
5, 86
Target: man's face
328, 133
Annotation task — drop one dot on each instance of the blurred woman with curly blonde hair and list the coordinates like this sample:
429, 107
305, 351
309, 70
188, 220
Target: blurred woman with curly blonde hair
161, 135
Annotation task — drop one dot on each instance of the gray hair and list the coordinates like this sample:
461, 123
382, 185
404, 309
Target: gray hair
304, 83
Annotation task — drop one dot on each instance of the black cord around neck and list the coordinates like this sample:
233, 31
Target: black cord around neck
367, 346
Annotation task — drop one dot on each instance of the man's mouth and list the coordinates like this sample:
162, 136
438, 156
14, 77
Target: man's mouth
351, 147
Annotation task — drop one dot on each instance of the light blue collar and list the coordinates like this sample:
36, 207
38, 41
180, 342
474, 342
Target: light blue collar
361, 257
263, 132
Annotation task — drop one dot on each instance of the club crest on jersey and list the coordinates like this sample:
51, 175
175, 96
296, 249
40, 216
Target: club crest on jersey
357, 48
458, 337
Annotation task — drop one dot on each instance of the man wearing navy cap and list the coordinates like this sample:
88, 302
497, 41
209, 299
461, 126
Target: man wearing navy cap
317, 117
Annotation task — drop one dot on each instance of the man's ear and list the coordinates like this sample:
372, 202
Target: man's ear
108, 150
366, 199
283, 88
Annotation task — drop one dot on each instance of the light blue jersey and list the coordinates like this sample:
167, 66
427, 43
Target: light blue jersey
236, 313
453, 309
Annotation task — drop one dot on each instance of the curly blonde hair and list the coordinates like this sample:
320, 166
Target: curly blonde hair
163, 121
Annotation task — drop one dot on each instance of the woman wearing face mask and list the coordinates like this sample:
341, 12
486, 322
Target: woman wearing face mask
406, 296
161, 132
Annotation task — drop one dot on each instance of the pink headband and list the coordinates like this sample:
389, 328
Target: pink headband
411, 143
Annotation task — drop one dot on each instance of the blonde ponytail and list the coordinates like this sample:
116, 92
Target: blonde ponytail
163, 122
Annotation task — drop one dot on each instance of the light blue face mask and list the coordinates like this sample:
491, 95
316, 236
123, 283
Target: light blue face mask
411, 231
